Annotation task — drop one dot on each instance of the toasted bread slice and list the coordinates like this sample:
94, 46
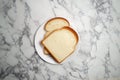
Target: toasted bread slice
56, 23
61, 43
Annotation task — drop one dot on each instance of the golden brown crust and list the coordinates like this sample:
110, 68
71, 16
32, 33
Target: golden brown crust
67, 28
73, 31
54, 19
45, 51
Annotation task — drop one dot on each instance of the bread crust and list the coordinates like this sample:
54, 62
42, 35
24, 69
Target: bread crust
73, 31
54, 19
67, 28
45, 51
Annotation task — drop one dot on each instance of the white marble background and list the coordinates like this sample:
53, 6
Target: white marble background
98, 24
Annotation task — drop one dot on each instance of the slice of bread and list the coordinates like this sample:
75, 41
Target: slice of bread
53, 24
56, 23
61, 43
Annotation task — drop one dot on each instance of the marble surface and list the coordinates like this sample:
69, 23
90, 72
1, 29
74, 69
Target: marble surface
97, 22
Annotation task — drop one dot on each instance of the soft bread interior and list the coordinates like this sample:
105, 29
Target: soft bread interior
61, 43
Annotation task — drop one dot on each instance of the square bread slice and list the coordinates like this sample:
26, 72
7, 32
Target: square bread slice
61, 43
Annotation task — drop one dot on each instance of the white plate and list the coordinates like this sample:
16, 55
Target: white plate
39, 48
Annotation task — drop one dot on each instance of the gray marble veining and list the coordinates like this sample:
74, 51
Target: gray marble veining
97, 22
